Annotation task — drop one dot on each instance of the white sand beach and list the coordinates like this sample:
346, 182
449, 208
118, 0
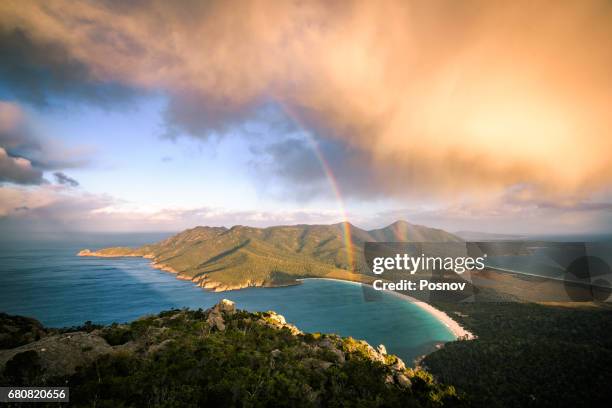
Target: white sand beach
458, 331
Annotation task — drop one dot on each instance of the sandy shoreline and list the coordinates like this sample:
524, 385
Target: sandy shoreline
455, 328
458, 331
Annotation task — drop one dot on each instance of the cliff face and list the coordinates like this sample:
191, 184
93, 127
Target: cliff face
218, 357
222, 259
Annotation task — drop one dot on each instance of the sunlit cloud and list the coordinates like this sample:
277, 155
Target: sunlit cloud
442, 101
62, 208
470, 96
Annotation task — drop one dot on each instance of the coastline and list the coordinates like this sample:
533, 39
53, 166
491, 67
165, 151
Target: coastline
458, 331
455, 328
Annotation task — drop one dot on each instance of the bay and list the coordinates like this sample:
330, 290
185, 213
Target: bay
47, 281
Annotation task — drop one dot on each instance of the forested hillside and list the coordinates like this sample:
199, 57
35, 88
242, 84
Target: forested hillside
220, 357
219, 258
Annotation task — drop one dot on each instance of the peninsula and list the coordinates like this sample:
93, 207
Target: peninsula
221, 259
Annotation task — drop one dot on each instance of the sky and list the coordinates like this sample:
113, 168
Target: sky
158, 116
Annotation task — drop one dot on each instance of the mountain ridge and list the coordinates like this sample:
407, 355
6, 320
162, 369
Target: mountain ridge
220, 258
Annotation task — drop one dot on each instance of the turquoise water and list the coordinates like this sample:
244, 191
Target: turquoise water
48, 282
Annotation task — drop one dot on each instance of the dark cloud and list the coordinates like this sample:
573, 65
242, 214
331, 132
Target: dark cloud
63, 179
300, 163
18, 170
25, 155
202, 116
41, 72
429, 97
196, 115
581, 206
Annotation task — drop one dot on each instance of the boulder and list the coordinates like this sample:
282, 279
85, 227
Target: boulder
293, 329
216, 321
398, 365
276, 321
225, 306
372, 353
403, 381
280, 319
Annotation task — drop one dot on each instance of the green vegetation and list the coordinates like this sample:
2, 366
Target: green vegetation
526, 354
23, 368
223, 357
222, 259
17, 330
529, 354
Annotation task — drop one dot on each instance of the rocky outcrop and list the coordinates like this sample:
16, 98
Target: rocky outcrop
381, 349
222, 357
276, 321
61, 354
205, 282
115, 252
163, 267
216, 314
55, 355
225, 306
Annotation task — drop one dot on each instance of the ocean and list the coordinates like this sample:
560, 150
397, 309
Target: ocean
47, 281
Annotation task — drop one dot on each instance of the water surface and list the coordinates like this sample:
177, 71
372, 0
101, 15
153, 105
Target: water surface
47, 281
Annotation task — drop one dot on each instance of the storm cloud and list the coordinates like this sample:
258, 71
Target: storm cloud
18, 170
434, 97
36, 72
63, 179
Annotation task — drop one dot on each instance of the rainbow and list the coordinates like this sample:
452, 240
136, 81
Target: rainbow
333, 182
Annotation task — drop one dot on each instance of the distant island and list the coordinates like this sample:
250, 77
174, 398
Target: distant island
220, 259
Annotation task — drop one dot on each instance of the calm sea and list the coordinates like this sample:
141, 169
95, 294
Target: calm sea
46, 280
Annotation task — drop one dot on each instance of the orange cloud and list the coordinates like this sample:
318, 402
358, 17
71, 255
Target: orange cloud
444, 96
